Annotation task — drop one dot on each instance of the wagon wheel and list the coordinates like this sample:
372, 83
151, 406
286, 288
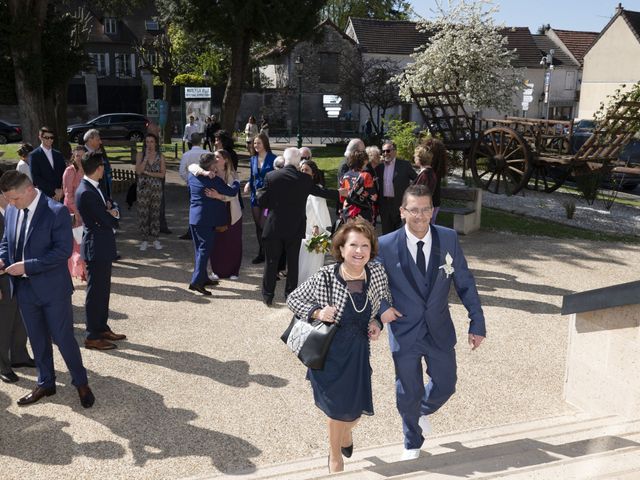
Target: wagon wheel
547, 177
500, 158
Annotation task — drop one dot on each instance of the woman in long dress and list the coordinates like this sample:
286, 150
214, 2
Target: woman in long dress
71, 179
318, 221
342, 389
150, 168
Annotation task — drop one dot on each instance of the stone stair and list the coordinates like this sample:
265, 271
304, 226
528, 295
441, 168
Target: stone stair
577, 446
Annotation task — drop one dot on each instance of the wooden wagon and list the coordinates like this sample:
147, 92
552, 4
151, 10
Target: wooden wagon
508, 154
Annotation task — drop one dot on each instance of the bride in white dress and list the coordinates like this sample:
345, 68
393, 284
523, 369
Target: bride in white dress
318, 221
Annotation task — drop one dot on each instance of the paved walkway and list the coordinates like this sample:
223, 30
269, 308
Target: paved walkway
204, 384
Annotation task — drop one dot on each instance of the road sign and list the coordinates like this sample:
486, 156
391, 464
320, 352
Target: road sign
525, 106
153, 107
197, 92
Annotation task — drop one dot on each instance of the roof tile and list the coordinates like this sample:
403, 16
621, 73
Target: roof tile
577, 42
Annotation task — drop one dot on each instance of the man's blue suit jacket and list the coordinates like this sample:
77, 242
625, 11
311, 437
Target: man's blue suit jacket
207, 211
45, 178
424, 301
98, 239
48, 246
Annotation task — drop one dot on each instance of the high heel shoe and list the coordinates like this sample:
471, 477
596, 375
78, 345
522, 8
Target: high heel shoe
347, 451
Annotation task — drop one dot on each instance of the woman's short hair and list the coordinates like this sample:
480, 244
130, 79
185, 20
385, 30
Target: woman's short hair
25, 149
357, 160
206, 160
358, 225
372, 151
424, 155
265, 141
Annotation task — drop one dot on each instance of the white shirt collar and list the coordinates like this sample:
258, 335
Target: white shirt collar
92, 182
46, 150
413, 239
33, 205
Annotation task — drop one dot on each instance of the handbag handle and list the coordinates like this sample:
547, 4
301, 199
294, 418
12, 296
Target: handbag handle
327, 277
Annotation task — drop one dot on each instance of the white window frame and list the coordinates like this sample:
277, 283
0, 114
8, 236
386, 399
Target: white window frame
101, 63
110, 25
125, 66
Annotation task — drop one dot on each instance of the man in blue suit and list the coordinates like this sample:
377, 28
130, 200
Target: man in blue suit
205, 214
34, 250
422, 261
47, 166
98, 251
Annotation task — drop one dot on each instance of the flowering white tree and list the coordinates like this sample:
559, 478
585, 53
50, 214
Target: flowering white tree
466, 52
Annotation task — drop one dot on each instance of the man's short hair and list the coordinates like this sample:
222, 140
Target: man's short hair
353, 145
196, 138
416, 191
13, 180
305, 152
206, 160
91, 162
291, 156
91, 133
44, 129
390, 142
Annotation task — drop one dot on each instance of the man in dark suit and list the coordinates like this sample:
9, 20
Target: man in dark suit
34, 251
284, 194
98, 251
394, 176
422, 262
13, 336
205, 214
47, 166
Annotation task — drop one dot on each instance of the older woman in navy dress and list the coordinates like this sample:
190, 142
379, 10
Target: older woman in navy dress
342, 390
260, 164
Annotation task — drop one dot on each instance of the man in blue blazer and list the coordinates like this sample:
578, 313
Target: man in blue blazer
205, 214
47, 166
34, 251
422, 261
98, 251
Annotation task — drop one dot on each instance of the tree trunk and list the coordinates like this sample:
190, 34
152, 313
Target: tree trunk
167, 95
27, 23
233, 91
60, 102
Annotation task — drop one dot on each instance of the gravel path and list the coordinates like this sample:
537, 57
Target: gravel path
205, 385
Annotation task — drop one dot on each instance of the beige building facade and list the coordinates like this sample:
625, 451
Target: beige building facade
611, 62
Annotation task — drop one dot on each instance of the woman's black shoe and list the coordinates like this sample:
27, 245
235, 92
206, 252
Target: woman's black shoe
347, 451
258, 259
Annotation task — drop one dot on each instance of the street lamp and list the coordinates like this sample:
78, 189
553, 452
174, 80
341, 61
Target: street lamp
299, 68
547, 62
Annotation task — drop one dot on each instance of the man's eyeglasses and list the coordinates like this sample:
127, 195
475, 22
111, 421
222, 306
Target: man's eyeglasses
48, 137
387, 151
414, 212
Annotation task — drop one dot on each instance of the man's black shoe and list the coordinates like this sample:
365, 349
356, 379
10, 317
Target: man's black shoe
9, 377
186, 236
268, 301
199, 288
258, 259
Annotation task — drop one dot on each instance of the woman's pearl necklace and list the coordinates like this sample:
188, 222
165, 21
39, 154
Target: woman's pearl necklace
347, 276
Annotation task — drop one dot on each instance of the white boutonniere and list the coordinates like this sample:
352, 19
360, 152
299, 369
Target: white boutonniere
448, 266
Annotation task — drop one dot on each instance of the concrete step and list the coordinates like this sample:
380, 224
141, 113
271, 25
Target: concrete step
568, 447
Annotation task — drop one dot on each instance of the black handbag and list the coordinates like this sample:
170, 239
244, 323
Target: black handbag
310, 341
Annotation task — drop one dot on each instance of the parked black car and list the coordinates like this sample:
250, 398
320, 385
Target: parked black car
9, 132
583, 129
116, 126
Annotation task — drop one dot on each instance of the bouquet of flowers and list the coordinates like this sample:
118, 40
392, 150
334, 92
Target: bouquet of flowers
319, 243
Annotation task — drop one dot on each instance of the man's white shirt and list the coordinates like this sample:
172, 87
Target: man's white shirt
189, 158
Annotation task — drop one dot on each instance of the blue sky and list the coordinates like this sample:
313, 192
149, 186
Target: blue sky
587, 15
